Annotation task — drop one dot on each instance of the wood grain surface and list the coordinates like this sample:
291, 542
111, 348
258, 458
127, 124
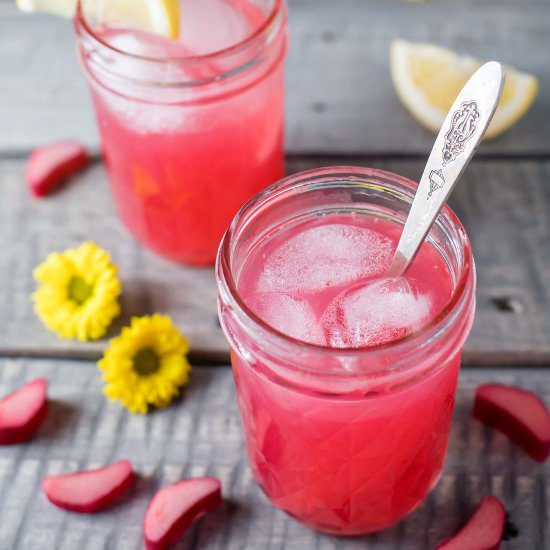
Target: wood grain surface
339, 94
341, 109
200, 435
503, 204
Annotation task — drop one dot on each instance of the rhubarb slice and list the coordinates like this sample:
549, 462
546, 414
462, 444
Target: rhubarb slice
23, 412
175, 507
519, 414
89, 491
49, 166
484, 529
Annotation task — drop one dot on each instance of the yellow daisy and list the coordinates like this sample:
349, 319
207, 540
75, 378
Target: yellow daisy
77, 294
146, 365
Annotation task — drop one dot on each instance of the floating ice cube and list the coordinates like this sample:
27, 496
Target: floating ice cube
325, 256
289, 315
144, 108
212, 25
146, 119
375, 312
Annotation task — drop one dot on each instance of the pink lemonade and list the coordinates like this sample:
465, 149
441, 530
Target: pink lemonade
345, 382
190, 129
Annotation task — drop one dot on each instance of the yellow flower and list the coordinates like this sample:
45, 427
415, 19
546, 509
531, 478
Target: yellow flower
146, 365
77, 294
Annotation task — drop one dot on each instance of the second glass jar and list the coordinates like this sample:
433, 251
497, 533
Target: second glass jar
187, 139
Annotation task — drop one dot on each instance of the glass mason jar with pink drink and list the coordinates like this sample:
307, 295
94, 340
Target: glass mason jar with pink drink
346, 381
190, 128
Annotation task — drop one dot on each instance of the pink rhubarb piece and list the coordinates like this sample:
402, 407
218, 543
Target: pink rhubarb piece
519, 414
484, 529
49, 166
23, 412
175, 507
91, 490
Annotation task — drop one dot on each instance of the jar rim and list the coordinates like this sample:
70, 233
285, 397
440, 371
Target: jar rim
264, 29
435, 328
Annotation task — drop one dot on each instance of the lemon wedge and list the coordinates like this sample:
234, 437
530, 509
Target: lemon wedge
427, 79
156, 16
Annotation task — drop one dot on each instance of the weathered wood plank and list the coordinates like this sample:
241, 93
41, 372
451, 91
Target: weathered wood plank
200, 435
339, 95
503, 204
30, 230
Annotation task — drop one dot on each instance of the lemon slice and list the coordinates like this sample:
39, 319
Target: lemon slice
157, 16
428, 78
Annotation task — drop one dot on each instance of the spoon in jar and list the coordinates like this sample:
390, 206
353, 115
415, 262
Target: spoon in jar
455, 145
453, 149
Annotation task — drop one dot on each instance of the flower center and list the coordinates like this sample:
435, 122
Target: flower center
146, 362
79, 290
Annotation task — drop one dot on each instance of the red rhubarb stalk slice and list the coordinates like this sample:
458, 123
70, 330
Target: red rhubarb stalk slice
89, 491
484, 529
23, 412
174, 508
49, 166
519, 414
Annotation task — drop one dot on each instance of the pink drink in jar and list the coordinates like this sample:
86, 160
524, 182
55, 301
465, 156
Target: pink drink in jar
345, 379
190, 129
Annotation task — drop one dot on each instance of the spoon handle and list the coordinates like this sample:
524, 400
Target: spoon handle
455, 145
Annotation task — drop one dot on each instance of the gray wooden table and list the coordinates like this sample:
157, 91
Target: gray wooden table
341, 110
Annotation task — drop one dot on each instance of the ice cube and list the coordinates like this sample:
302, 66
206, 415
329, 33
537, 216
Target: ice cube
158, 114
291, 316
324, 256
145, 119
214, 25
375, 312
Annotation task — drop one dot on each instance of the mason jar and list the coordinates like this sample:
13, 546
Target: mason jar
188, 138
346, 440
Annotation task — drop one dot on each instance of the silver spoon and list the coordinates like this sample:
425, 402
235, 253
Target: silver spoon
453, 149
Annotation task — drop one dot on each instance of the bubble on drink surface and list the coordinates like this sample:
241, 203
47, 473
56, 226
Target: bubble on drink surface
375, 312
291, 316
325, 256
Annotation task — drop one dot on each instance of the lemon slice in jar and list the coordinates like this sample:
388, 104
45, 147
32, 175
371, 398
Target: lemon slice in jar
427, 79
156, 16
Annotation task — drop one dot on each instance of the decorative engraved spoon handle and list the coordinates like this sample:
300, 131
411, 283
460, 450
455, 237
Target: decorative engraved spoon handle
455, 145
